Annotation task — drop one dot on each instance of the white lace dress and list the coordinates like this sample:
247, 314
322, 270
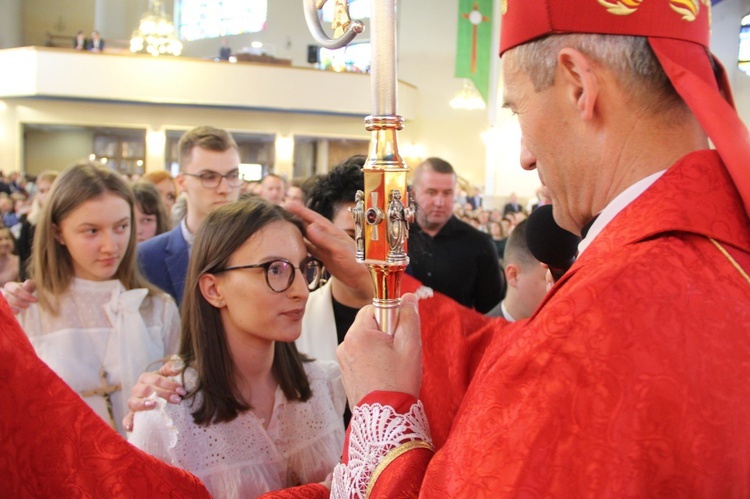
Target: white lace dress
241, 458
102, 326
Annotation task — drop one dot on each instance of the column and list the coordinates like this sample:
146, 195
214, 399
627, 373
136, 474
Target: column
321, 157
10, 138
10, 23
156, 141
284, 157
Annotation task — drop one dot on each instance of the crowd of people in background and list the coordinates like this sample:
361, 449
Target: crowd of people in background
99, 320
159, 207
111, 265
21, 201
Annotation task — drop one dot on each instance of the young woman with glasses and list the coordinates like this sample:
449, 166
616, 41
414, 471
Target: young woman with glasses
258, 415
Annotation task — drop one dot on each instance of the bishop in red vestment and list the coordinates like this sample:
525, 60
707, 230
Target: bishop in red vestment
631, 377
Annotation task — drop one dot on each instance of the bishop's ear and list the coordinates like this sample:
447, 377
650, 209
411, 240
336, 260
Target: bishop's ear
580, 80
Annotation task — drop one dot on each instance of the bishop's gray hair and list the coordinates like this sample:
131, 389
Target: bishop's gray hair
630, 58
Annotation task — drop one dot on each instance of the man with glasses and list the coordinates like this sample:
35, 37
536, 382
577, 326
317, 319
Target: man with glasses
209, 176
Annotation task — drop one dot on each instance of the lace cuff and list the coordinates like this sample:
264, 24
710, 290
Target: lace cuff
374, 432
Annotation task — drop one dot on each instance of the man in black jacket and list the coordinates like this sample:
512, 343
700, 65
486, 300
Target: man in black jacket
445, 253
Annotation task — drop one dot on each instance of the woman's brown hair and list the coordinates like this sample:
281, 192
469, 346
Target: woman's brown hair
203, 344
52, 266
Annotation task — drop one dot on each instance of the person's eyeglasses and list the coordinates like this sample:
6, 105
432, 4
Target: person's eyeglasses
280, 273
211, 180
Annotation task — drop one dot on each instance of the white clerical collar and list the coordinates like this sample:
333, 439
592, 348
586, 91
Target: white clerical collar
616, 206
505, 312
188, 236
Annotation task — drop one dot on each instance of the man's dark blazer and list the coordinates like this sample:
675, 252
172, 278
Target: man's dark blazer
474, 201
164, 261
89, 45
512, 208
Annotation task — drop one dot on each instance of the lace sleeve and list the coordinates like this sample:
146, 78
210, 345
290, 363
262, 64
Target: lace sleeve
377, 431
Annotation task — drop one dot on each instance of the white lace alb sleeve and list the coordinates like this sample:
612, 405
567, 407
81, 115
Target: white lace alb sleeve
375, 431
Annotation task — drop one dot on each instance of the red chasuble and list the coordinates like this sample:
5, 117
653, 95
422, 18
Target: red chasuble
53, 445
630, 380
632, 377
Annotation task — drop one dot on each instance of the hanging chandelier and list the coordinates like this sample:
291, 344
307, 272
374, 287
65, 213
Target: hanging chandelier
468, 97
155, 33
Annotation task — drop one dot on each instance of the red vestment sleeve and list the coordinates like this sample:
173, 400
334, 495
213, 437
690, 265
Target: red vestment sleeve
454, 340
398, 475
53, 445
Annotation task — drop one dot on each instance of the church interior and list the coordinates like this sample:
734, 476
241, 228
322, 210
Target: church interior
291, 112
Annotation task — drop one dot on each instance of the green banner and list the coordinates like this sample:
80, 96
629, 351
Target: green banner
474, 43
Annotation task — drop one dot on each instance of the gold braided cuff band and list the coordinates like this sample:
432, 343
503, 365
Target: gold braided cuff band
392, 456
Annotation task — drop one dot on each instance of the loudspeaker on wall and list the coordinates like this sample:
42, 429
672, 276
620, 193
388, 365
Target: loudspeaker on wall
313, 53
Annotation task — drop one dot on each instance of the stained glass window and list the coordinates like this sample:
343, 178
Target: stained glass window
743, 59
198, 19
354, 58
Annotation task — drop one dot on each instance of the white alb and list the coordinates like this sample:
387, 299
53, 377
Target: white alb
103, 325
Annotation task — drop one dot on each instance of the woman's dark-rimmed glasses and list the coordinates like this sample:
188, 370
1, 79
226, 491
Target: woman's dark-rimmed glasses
280, 273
